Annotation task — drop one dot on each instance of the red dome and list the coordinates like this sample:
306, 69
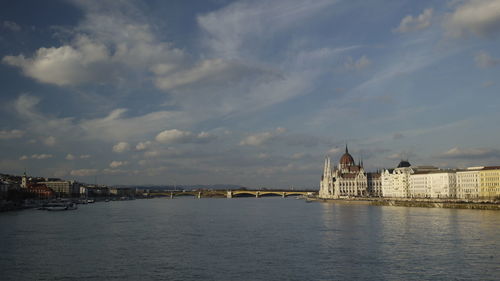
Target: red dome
346, 160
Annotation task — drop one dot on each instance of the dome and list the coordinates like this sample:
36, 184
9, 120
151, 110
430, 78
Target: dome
346, 159
404, 164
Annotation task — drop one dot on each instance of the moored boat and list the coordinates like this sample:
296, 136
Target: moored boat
59, 206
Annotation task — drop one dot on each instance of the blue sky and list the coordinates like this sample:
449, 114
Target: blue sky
245, 92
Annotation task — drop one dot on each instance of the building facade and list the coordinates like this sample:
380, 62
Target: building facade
396, 182
489, 182
63, 188
345, 180
374, 184
468, 183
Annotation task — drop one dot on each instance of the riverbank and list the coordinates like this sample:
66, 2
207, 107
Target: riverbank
412, 202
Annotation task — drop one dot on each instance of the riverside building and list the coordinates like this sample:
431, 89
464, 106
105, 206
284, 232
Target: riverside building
396, 182
489, 180
407, 181
345, 180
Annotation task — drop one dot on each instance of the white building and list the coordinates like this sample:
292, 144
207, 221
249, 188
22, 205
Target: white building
65, 188
420, 185
346, 180
443, 184
468, 183
396, 183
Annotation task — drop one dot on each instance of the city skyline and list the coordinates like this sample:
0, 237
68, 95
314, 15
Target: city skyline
252, 93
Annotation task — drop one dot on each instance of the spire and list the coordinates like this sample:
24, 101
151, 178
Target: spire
346, 150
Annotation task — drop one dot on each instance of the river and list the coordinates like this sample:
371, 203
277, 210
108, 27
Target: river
249, 239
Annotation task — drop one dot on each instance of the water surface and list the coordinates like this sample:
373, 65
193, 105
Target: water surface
249, 239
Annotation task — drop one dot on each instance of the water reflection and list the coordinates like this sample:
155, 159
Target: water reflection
249, 239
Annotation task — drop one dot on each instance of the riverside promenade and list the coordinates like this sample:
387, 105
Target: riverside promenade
418, 202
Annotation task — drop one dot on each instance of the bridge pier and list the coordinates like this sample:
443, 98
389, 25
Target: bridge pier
283, 195
257, 194
171, 195
199, 195
229, 194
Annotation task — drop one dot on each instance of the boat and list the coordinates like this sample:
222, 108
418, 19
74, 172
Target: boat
59, 206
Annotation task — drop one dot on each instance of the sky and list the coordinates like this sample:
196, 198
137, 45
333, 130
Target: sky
253, 93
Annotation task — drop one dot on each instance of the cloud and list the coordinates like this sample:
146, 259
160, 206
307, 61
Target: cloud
24, 157
109, 45
116, 126
474, 17
335, 150
401, 156
113, 127
41, 156
298, 155
178, 136
70, 157
116, 164
12, 26
397, 136
471, 153
84, 172
263, 156
261, 138
49, 141
121, 147
12, 134
208, 72
236, 30
360, 64
143, 145
484, 60
410, 23
85, 156
173, 136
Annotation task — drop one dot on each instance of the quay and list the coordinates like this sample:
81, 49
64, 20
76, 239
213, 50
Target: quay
417, 202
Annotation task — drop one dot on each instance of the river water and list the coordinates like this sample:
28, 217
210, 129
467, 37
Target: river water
249, 239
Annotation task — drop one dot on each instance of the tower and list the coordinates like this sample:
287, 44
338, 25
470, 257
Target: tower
24, 180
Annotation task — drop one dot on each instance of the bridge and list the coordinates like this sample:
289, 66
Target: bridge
233, 193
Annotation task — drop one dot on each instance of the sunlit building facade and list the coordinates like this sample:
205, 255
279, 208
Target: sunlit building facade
345, 180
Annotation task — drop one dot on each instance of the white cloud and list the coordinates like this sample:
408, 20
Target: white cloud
24, 157
231, 31
261, 138
410, 23
143, 145
173, 136
84, 172
70, 157
121, 147
85, 156
41, 156
474, 17
298, 155
116, 164
114, 171
360, 64
12, 134
457, 152
115, 126
212, 71
335, 150
178, 136
12, 26
263, 156
485, 60
107, 46
49, 141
